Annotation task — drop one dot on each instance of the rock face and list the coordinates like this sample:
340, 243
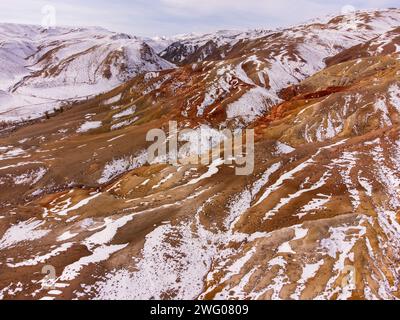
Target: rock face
317, 219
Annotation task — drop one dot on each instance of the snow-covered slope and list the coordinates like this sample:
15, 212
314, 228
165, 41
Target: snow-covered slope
40, 67
385, 43
189, 48
318, 218
16, 45
195, 47
241, 79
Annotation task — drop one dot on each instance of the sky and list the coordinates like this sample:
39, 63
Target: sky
170, 17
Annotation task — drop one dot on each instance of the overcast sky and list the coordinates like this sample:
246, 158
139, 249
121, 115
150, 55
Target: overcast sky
168, 17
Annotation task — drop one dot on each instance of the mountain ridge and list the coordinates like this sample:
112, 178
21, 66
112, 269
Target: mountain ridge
317, 219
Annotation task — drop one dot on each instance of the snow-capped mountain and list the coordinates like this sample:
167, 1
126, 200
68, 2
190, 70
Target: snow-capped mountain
317, 219
42, 67
240, 80
187, 48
